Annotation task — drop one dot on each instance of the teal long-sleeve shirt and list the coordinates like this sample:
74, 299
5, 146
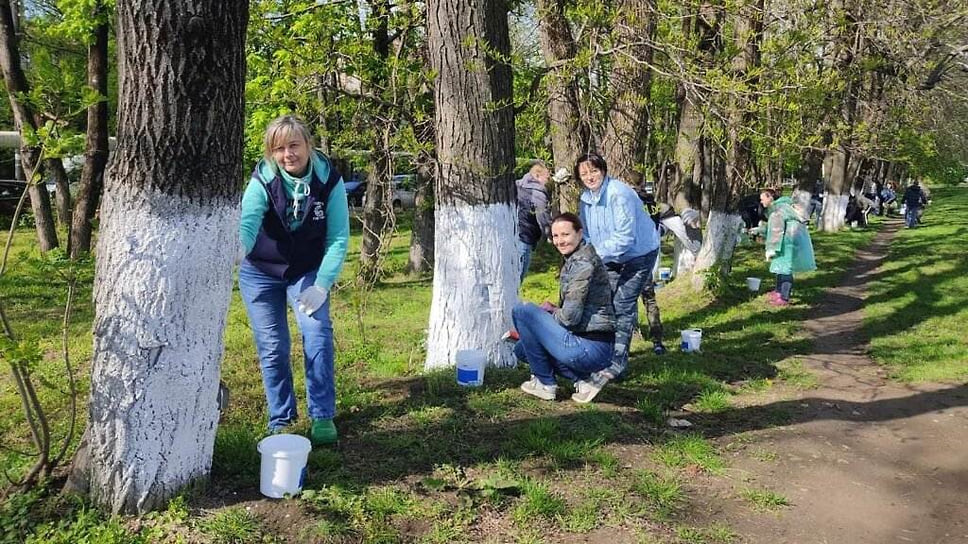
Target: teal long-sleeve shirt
255, 203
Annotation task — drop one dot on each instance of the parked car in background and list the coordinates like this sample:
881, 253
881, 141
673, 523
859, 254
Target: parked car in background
355, 190
402, 197
10, 191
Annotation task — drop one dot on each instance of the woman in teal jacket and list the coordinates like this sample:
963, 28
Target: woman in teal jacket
788, 245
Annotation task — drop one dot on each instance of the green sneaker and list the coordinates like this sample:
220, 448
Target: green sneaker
323, 432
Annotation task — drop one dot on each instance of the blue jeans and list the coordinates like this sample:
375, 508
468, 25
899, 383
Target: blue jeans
551, 349
911, 216
524, 251
784, 285
627, 280
265, 300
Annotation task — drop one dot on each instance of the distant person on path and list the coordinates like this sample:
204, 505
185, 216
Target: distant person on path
888, 198
574, 338
914, 200
294, 231
534, 217
788, 245
626, 239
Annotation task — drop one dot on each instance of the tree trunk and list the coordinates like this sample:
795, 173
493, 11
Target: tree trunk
168, 237
377, 212
421, 258
725, 192
627, 129
62, 195
23, 118
476, 267
834, 210
96, 142
569, 129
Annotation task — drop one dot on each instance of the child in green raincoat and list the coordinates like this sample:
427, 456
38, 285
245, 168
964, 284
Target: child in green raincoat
788, 245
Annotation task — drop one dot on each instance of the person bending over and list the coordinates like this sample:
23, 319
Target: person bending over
294, 231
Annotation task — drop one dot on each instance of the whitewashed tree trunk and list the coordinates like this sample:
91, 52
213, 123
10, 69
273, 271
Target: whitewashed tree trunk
718, 244
476, 265
163, 286
475, 283
683, 260
168, 237
834, 212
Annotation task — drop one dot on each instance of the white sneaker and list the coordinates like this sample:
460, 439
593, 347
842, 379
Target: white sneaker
540, 390
586, 390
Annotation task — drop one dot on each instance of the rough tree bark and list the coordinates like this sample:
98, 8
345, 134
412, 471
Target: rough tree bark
421, 256
842, 50
476, 264
96, 142
168, 237
570, 130
377, 211
54, 168
724, 221
23, 118
626, 134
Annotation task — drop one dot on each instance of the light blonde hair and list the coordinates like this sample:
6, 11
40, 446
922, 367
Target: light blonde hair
281, 129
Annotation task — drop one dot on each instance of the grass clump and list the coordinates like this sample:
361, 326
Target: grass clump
764, 499
662, 494
689, 450
231, 526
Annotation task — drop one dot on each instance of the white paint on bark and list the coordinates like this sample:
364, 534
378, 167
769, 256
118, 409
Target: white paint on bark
683, 259
718, 244
162, 290
834, 212
476, 272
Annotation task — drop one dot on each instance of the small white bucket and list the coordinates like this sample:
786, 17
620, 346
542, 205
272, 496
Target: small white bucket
665, 273
283, 470
691, 339
753, 284
470, 365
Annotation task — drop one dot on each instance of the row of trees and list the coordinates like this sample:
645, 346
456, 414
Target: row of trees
707, 99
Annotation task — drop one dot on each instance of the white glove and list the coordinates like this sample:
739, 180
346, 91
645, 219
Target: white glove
561, 175
311, 299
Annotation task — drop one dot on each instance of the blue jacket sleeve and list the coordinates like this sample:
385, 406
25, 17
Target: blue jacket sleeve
255, 202
337, 237
622, 237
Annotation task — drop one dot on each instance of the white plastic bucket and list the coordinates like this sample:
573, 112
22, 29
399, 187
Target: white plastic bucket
691, 339
470, 367
665, 273
753, 284
283, 470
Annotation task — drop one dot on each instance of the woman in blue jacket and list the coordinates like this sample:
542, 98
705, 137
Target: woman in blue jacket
294, 232
627, 241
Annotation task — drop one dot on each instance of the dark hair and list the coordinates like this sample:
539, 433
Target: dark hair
597, 161
774, 193
568, 217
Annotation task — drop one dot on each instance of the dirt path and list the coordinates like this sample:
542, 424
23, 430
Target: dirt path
865, 460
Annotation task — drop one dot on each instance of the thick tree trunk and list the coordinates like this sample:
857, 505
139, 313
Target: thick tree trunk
421, 258
23, 118
377, 212
837, 185
569, 129
725, 192
168, 237
627, 131
476, 266
96, 143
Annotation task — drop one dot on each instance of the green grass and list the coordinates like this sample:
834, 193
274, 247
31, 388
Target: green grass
231, 526
764, 499
399, 426
916, 311
689, 450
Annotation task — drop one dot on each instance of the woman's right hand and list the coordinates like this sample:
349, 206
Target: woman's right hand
548, 307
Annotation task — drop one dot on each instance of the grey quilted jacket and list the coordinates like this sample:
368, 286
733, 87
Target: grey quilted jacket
585, 298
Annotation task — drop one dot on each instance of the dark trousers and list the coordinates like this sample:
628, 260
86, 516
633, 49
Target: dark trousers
784, 285
651, 313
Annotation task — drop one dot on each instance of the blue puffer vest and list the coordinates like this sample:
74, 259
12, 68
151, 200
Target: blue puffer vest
285, 253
